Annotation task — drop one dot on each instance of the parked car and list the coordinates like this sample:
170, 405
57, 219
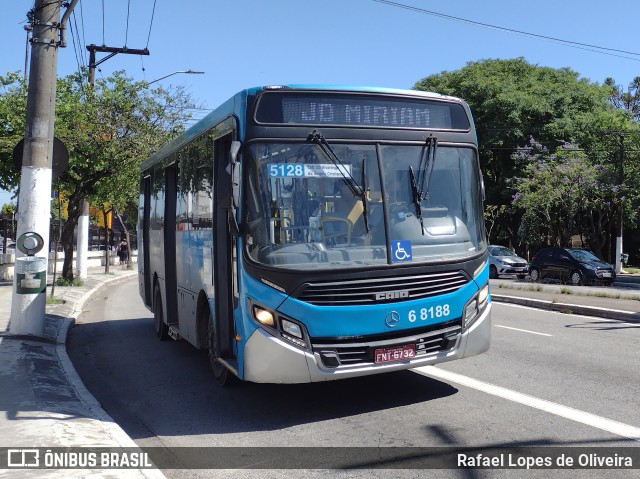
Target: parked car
571, 265
504, 261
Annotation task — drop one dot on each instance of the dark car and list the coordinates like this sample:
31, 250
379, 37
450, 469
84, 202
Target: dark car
570, 265
504, 261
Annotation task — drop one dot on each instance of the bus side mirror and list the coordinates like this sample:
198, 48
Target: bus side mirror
235, 149
235, 173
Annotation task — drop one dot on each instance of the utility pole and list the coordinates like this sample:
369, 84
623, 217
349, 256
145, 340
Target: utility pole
112, 52
619, 251
34, 202
83, 221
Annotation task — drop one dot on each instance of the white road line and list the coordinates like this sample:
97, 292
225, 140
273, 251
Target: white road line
576, 415
522, 330
565, 315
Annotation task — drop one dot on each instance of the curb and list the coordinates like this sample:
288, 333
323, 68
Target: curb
110, 426
569, 308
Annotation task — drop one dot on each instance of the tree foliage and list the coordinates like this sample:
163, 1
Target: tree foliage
13, 107
108, 128
513, 101
626, 100
561, 194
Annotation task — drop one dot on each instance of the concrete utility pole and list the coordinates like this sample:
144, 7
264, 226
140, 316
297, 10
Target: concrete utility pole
34, 202
619, 250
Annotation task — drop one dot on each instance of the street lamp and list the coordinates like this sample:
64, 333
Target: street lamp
189, 71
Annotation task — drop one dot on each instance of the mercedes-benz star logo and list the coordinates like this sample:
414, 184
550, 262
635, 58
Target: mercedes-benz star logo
392, 319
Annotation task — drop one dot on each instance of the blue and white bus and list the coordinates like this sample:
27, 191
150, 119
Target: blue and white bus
313, 233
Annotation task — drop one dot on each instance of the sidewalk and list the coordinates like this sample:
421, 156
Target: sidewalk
620, 302
43, 402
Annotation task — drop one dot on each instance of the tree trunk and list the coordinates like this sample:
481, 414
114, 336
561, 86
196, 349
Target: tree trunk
73, 213
107, 250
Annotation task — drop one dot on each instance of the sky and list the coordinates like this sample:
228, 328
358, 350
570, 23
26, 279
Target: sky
247, 43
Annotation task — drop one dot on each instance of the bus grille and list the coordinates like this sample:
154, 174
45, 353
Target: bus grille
352, 352
380, 290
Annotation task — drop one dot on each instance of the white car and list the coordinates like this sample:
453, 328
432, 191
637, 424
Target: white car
504, 261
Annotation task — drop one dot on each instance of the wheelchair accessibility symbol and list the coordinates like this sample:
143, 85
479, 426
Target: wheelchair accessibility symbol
401, 250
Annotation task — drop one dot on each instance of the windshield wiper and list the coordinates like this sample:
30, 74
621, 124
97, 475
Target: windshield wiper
415, 193
358, 191
365, 203
425, 168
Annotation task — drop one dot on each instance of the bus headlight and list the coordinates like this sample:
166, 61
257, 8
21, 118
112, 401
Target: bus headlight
292, 332
264, 316
483, 295
291, 328
278, 325
476, 305
470, 311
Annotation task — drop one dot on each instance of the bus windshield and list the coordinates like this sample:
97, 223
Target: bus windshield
307, 210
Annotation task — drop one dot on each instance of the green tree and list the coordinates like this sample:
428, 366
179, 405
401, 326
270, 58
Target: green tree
13, 107
626, 100
513, 100
563, 194
108, 128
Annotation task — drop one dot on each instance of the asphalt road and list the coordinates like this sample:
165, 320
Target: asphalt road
549, 379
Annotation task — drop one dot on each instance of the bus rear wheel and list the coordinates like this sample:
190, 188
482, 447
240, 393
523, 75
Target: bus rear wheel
221, 373
160, 327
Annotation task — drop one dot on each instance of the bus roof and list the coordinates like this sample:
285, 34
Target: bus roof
353, 88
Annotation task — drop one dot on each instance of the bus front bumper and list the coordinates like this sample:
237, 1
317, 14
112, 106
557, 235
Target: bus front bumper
268, 359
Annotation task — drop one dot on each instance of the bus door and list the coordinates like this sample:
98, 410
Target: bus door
224, 257
171, 285
146, 220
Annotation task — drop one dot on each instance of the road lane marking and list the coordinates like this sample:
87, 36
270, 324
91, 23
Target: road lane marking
523, 330
572, 315
570, 413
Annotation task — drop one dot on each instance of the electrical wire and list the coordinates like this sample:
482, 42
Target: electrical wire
582, 46
76, 33
126, 35
83, 38
153, 12
76, 48
103, 15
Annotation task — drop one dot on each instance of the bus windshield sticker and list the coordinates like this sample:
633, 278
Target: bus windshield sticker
401, 250
301, 170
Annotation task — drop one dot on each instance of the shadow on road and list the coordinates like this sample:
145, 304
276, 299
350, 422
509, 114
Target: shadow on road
167, 389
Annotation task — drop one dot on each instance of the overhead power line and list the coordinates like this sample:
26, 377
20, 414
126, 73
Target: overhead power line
583, 46
153, 12
126, 35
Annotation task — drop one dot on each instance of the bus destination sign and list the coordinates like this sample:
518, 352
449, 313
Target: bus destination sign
361, 110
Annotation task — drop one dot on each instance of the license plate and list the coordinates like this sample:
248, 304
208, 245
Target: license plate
606, 274
408, 351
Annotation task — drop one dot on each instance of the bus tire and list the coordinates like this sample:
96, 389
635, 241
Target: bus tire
223, 376
160, 327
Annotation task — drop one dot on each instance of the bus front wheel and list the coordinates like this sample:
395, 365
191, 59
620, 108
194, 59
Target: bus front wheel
161, 328
221, 373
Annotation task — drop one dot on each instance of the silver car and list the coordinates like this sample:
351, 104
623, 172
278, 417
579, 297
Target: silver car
504, 261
